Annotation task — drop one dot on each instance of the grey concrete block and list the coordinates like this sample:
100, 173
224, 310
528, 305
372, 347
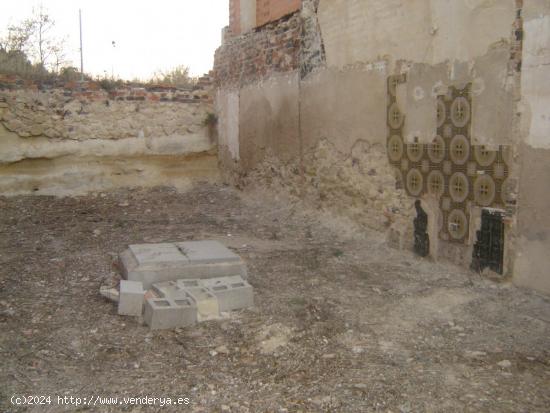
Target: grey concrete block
166, 289
130, 300
175, 289
210, 282
233, 295
206, 302
153, 263
207, 252
153, 256
164, 313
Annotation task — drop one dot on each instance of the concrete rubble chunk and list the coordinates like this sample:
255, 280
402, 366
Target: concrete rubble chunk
165, 313
154, 263
110, 293
130, 300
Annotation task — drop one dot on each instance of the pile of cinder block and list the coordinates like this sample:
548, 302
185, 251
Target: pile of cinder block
177, 284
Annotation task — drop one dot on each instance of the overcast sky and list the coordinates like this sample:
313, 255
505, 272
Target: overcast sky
148, 35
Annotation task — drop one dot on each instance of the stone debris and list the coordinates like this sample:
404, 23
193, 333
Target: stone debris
173, 285
110, 293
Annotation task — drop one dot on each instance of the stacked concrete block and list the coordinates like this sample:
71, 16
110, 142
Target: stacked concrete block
233, 295
130, 300
163, 313
194, 281
211, 282
167, 289
206, 302
153, 263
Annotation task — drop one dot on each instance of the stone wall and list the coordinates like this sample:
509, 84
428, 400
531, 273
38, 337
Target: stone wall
73, 140
403, 79
80, 115
246, 15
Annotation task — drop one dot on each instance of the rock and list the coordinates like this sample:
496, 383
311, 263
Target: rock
504, 364
320, 401
475, 354
222, 350
357, 350
109, 293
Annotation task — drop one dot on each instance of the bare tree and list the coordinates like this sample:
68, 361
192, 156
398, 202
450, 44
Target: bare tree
42, 41
33, 40
58, 56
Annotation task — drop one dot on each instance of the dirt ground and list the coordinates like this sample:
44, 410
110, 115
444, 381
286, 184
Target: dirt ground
342, 323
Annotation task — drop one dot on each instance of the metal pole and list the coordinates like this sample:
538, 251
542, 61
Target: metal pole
81, 54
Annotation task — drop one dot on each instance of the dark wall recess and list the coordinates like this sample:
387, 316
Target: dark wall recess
421, 238
489, 247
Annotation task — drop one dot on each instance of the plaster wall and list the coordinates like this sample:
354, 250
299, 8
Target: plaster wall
344, 107
429, 31
248, 15
329, 143
269, 120
227, 107
533, 260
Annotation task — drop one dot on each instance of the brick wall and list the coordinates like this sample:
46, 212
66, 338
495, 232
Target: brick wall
91, 91
258, 54
271, 10
267, 11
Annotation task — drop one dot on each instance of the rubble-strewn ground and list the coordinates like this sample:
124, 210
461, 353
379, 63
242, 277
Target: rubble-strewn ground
341, 323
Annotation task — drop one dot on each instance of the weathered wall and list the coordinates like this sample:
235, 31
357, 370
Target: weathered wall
234, 17
429, 31
344, 106
268, 119
248, 15
429, 91
55, 114
256, 55
60, 141
533, 259
271, 10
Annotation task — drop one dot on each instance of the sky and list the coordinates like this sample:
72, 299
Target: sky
149, 35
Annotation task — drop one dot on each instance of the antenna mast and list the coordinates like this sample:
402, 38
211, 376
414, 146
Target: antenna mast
81, 54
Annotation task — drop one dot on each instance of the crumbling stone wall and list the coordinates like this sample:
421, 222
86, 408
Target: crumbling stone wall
60, 114
75, 139
328, 179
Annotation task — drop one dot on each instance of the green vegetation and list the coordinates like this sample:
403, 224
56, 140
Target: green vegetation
210, 120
